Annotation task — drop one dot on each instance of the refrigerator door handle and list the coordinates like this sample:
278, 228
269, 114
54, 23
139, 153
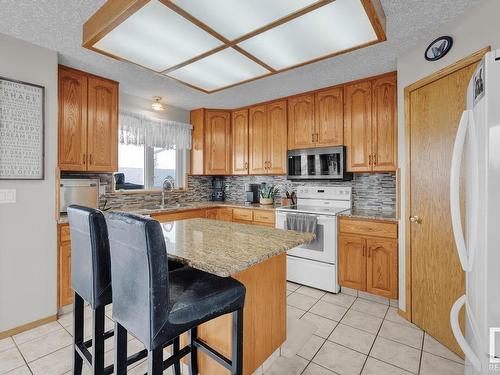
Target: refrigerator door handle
457, 332
467, 125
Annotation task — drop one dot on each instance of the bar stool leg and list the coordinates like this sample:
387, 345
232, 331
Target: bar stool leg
193, 356
98, 341
155, 361
78, 320
177, 364
120, 350
237, 355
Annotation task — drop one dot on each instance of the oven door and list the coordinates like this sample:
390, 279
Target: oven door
324, 247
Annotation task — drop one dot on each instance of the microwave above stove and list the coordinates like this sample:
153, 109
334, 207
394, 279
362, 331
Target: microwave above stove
324, 163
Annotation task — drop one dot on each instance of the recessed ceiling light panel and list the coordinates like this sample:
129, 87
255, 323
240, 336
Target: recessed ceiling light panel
234, 18
332, 28
157, 38
219, 70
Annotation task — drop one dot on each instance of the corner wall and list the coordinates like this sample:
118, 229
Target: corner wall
472, 31
28, 253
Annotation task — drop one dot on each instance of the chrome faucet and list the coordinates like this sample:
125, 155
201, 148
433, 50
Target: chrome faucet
168, 184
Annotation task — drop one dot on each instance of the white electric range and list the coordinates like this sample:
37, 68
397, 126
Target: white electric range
315, 264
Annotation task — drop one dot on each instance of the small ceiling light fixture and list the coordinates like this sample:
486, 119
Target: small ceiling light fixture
157, 106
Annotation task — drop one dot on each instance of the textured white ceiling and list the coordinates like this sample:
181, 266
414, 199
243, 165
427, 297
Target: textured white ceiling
57, 24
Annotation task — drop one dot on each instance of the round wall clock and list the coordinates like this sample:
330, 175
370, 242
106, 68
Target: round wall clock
438, 48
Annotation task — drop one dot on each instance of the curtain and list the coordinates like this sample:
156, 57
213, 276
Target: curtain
136, 129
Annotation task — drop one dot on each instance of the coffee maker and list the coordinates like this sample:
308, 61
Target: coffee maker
251, 193
218, 189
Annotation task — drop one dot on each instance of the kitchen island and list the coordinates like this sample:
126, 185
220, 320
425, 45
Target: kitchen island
254, 255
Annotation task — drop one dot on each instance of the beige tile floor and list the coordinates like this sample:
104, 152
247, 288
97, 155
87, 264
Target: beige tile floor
329, 334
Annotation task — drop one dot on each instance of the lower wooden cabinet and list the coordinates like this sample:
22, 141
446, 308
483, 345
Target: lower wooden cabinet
182, 215
64, 290
368, 256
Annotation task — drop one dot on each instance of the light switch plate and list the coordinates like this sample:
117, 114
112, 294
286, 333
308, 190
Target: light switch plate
7, 196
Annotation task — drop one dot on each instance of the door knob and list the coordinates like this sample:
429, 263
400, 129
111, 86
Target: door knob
416, 219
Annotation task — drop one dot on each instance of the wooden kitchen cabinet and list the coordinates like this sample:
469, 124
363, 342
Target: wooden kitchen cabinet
197, 119
239, 123
179, 215
267, 138
368, 256
370, 123
64, 290
301, 131
225, 214
217, 142
88, 122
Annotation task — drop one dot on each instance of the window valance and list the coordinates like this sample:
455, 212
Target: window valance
137, 129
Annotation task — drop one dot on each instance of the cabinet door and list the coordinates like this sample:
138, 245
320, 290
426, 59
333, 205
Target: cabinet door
358, 126
197, 118
352, 262
329, 117
102, 141
301, 121
258, 143
72, 134
382, 267
277, 140
218, 143
239, 124
384, 126
225, 214
211, 214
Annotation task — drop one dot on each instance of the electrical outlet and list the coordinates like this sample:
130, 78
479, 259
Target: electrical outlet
7, 195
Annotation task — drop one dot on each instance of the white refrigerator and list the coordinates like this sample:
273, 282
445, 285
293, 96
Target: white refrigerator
476, 165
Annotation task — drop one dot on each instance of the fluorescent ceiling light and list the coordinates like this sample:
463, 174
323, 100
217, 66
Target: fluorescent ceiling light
219, 70
234, 18
332, 28
157, 38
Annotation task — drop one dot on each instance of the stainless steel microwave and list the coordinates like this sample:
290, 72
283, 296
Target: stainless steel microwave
324, 163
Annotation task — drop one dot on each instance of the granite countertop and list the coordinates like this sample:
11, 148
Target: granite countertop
225, 248
370, 214
170, 208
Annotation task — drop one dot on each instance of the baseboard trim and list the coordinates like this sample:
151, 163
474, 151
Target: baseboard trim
404, 314
27, 326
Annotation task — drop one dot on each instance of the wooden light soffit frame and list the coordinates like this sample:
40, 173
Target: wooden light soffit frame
114, 12
460, 64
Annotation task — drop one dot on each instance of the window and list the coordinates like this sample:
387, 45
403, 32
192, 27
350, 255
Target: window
143, 167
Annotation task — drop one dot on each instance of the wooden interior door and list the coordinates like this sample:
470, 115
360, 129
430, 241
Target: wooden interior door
257, 138
382, 267
329, 117
72, 133
437, 279
358, 126
218, 142
197, 118
301, 121
239, 131
277, 139
102, 140
352, 261
384, 125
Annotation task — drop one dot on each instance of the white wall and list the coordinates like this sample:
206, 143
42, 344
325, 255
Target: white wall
143, 106
28, 228
474, 30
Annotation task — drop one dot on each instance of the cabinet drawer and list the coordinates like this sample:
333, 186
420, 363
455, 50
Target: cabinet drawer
242, 214
368, 228
261, 216
179, 215
64, 234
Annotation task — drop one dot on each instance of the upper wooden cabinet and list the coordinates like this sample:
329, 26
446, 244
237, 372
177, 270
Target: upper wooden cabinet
197, 118
218, 142
316, 120
370, 125
301, 130
239, 120
267, 138
88, 122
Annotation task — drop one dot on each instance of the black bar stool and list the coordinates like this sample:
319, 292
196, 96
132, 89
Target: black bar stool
156, 305
91, 282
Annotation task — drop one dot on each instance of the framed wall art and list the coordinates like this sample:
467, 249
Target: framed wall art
21, 130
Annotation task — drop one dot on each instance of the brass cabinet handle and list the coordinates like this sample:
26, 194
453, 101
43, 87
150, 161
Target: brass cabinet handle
270, 164
370, 160
317, 137
416, 219
246, 165
369, 252
374, 159
90, 159
84, 159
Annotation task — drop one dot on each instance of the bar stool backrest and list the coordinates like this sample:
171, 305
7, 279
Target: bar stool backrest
139, 270
90, 258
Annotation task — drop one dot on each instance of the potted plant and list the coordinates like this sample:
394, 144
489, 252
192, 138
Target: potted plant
267, 193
